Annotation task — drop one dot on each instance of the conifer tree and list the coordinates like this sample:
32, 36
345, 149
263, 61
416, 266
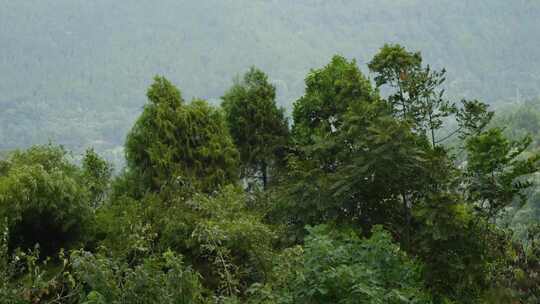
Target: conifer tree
258, 127
175, 143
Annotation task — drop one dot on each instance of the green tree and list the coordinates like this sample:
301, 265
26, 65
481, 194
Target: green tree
97, 175
415, 91
397, 68
460, 251
44, 200
358, 163
497, 172
259, 128
379, 166
330, 91
178, 144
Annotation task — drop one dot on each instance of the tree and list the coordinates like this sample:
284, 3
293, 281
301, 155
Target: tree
178, 144
397, 68
370, 206
379, 167
360, 163
97, 174
44, 200
416, 96
320, 147
330, 91
259, 128
497, 172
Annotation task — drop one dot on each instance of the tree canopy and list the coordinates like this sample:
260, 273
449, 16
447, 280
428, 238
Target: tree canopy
174, 142
259, 128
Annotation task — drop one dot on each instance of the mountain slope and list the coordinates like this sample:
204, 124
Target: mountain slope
76, 71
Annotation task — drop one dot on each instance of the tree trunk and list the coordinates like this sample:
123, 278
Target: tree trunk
407, 216
264, 169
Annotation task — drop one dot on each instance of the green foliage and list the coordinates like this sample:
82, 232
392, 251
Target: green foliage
223, 239
525, 270
416, 95
158, 279
366, 205
180, 144
97, 174
336, 266
234, 238
44, 199
402, 72
458, 249
322, 147
6, 270
377, 164
520, 120
330, 91
27, 278
87, 278
124, 227
393, 65
259, 128
496, 171
472, 118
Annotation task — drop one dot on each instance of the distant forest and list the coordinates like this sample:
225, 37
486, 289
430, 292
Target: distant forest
74, 72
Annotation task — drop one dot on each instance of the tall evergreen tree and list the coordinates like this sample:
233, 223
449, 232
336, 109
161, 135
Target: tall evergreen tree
175, 143
258, 127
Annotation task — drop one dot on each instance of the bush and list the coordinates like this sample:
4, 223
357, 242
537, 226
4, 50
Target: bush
336, 266
158, 279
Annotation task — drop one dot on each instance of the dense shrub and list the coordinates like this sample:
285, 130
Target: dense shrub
44, 199
337, 266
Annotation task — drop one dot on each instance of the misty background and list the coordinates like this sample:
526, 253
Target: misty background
75, 72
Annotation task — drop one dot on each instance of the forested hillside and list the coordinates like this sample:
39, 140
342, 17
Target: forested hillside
357, 198
75, 71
